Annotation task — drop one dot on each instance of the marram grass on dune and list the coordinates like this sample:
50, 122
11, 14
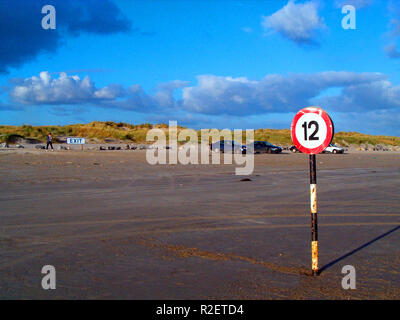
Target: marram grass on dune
100, 131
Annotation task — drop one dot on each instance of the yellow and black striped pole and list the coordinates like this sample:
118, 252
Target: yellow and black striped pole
314, 220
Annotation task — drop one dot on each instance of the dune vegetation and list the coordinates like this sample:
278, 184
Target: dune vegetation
110, 131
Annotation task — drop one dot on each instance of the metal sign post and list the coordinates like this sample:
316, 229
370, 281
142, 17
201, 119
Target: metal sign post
312, 131
314, 219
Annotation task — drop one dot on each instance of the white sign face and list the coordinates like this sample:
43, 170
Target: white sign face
311, 130
76, 140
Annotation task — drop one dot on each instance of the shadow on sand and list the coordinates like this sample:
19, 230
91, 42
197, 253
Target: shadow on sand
330, 264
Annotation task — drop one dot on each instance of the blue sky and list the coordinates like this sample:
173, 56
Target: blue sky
220, 63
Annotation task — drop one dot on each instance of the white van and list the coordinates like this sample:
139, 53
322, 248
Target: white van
333, 149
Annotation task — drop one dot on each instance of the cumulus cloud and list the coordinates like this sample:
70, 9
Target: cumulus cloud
22, 37
216, 95
366, 96
67, 89
277, 93
136, 99
164, 94
298, 22
62, 90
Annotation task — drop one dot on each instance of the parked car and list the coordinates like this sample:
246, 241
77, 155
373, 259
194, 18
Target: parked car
333, 149
227, 146
263, 147
329, 149
294, 149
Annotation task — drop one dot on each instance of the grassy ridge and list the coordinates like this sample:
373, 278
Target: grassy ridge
343, 138
99, 131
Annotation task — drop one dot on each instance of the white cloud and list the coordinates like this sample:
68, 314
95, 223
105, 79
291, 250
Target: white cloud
366, 96
296, 21
217, 96
164, 95
280, 94
62, 90
72, 90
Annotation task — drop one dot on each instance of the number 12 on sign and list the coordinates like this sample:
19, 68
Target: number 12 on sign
312, 136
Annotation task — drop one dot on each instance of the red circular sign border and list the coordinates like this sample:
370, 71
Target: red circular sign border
329, 130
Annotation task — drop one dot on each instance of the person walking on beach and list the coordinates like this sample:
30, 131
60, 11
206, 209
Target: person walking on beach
49, 142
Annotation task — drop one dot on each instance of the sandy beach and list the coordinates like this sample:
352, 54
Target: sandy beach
115, 227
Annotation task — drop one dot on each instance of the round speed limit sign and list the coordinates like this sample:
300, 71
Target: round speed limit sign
312, 130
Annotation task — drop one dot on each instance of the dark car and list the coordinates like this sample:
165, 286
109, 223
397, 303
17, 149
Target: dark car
263, 147
294, 149
227, 146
